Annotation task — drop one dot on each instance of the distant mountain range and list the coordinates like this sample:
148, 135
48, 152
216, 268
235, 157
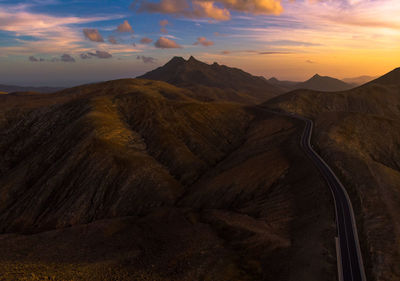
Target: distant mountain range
13, 88
214, 82
317, 83
357, 81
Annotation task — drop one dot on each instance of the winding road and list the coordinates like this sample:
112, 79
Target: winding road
350, 263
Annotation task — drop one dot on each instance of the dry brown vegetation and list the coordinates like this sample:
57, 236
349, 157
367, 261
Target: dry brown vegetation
358, 132
137, 180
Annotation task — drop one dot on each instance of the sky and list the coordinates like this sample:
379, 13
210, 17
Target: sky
71, 42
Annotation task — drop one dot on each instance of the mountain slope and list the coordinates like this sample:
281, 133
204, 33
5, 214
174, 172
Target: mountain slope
215, 82
358, 132
136, 179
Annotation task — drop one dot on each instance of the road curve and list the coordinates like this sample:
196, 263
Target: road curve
350, 263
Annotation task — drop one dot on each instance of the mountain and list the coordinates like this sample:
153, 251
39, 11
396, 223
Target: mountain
357, 81
137, 179
358, 132
12, 88
214, 82
285, 86
323, 83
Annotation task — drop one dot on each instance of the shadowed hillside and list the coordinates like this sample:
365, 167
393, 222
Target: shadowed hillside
214, 82
138, 180
358, 132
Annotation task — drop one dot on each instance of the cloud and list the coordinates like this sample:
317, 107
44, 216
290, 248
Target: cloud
97, 54
93, 35
164, 23
85, 56
225, 52
273, 53
48, 34
67, 58
112, 40
310, 61
203, 41
165, 43
125, 27
33, 59
207, 9
256, 7
146, 59
146, 40
101, 55
213, 9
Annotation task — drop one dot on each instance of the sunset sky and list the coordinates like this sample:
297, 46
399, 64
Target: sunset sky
64, 43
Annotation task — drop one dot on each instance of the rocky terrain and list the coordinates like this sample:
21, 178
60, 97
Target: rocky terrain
138, 180
358, 133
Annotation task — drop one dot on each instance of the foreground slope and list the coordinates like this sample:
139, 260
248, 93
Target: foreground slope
138, 180
214, 82
358, 132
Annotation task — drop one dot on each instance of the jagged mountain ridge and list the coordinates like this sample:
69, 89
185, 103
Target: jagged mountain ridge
215, 82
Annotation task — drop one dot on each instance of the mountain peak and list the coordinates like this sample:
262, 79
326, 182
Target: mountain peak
196, 75
193, 60
177, 59
316, 76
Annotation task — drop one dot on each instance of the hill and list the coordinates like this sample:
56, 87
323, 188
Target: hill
137, 180
323, 83
214, 82
12, 88
358, 132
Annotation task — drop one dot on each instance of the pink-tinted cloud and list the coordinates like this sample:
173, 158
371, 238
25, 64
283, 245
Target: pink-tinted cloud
165, 43
125, 27
93, 35
203, 41
146, 40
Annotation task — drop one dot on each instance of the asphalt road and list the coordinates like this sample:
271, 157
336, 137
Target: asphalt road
350, 263
352, 268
